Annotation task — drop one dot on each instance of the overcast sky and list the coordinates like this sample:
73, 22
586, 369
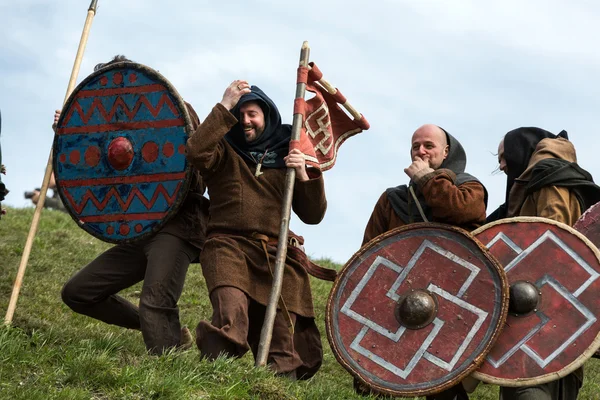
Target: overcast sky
476, 68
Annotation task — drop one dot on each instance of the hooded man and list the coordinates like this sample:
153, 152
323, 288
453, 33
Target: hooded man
544, 180
444, 194
241, 150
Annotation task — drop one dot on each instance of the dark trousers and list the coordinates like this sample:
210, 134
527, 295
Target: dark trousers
456, 392
161, 262
566, 388
235, 328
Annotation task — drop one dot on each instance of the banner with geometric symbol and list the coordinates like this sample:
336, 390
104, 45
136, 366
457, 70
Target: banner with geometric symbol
416, 310
119, 152
552, 327
325, 125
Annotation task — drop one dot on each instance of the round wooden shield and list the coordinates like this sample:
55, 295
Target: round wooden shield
589, 224
416, 310
119, 152
553, 329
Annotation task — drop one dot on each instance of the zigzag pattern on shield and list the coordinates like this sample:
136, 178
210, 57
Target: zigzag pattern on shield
119, 152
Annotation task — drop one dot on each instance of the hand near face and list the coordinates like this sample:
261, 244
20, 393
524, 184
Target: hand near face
234, 91
418, 168
295, 159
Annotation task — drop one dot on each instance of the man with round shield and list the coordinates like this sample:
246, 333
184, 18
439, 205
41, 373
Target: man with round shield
161, 261
242, 151
544, 180
439, 191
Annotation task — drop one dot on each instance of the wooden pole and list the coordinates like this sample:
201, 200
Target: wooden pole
38, 209
266, 333
332, 90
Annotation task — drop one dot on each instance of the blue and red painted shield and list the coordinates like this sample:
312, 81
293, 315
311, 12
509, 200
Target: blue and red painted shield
561, 330
119, 152
374, 330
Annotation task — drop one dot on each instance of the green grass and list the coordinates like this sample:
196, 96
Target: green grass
49, 352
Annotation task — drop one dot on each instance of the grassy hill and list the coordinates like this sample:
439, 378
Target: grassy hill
50, 352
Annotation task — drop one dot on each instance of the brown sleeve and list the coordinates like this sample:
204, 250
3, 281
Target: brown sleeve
204, 147
456, 205
309, 201
556, 203
379, 221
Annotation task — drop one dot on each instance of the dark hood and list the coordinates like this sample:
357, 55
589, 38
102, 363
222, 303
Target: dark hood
519, 146
274, 141
562, 173
400, 199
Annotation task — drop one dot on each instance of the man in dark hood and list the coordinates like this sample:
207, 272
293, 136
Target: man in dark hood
544, 180
241, 150
439, 190
536, 160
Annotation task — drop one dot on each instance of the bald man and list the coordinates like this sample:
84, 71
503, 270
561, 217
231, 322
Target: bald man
446, 194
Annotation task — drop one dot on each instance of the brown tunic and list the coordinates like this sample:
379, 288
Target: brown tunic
461, 206
558, 204
190, 221
553, 202
242, 204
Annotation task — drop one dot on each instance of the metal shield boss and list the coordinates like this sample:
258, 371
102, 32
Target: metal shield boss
416, 310
552, 326
119, 152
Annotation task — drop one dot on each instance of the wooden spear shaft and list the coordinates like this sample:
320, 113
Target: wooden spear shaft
38, 209
266, 333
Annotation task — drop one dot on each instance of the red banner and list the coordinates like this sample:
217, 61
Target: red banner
325, 125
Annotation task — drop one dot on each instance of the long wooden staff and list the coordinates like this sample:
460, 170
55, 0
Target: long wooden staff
266, 333
333, 91
38, 209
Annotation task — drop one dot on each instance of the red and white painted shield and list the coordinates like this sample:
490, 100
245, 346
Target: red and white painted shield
457, 288
560, 330
589, 224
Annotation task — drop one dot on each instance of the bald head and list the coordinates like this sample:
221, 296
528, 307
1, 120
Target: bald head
429, 143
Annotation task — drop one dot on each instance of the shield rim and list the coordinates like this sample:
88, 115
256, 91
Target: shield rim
187, 128
579, 361
477, 359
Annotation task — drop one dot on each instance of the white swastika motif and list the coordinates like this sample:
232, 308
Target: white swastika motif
565, 270
393, 358
319, 123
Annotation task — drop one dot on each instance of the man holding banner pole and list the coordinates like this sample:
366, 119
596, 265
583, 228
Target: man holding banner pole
242, 152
